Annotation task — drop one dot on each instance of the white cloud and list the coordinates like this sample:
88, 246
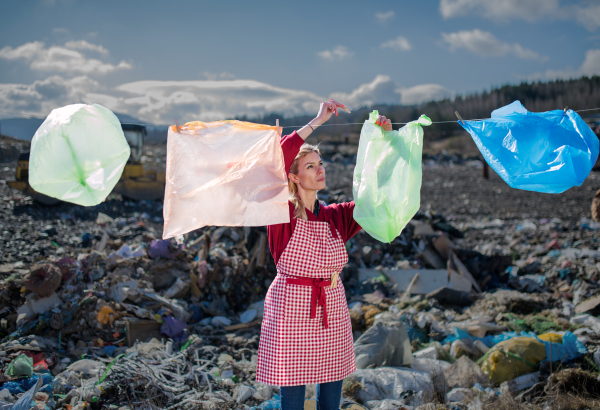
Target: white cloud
338, 53
484, 44
43, 96
529, 10
384, 17
586, 12
383, 90
159, 102
84, 45
591, 64
399, 44
425, 92
588, 15
589, 67
61, 59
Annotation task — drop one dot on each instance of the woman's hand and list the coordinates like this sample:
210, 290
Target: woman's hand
385, 123
326, 110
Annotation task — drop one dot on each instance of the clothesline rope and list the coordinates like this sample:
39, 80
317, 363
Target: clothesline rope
300, 126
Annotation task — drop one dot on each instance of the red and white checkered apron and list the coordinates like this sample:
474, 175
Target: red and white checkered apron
298, 344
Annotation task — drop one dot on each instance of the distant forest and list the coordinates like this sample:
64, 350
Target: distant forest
577, 94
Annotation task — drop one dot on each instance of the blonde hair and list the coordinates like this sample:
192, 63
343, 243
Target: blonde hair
294, 198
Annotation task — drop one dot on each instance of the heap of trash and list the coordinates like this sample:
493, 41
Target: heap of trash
98, 312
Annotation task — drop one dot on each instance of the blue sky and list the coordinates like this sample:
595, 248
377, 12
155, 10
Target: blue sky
159, 60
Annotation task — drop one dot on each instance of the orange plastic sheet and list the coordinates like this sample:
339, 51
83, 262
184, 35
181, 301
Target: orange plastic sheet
224, 173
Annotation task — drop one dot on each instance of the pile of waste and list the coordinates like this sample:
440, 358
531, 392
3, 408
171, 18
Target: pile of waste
98, 312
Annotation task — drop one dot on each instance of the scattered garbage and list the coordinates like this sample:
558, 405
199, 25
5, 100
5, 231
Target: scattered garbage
115, 324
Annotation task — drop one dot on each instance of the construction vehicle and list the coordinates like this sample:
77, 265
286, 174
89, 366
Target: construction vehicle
135, 182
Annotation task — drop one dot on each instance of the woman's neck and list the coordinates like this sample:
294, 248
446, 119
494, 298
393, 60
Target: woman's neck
308, 198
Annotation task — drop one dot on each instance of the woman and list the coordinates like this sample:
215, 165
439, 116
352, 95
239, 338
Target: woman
306, 335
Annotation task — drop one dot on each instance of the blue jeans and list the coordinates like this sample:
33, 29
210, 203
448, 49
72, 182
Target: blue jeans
329, 396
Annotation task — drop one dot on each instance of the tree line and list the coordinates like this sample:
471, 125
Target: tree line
577, 94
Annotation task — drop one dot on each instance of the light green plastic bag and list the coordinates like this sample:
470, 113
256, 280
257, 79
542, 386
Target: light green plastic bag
78, 154
21, 366
387, 177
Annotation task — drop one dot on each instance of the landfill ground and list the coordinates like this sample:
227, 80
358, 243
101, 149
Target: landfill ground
96, 311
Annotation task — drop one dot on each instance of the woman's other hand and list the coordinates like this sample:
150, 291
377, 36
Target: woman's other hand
326, 110
384, 123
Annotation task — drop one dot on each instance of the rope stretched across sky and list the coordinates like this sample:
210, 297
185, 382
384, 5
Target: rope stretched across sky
300, 126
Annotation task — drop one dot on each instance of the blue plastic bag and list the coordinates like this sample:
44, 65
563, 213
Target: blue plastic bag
274, 403
571, 348
24, 403
545, 152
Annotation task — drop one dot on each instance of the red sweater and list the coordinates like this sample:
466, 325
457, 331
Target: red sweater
339, 215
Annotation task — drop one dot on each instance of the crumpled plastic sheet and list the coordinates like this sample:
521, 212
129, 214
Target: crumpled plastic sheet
387, 177
160, 248
274, 403
78, 154
20, 366
571, 348
536, 151
390, 383
172, 327
383, 345
24, 403
224, 173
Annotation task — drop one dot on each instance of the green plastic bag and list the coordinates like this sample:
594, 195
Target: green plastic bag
20, 366
387, 177
78, 154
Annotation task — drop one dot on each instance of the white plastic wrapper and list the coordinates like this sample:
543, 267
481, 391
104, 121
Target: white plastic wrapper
224, 173
78, 154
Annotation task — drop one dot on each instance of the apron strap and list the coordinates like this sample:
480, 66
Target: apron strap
318, 295
333, 230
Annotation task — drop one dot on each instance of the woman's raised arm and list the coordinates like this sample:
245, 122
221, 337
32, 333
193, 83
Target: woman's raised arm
326, 110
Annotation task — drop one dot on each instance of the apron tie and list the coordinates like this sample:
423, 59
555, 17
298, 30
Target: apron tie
318, 295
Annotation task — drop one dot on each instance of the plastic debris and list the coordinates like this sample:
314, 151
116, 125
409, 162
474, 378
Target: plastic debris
160, 248
172, 327
513, 358
21, 366
43, 279
544, 152
224, 173
383, 344
387, 178
78, 154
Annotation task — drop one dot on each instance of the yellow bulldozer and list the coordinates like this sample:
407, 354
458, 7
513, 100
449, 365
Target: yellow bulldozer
135, 183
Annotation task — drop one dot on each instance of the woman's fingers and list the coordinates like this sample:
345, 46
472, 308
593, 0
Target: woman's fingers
338, 105
387, 126
381, 120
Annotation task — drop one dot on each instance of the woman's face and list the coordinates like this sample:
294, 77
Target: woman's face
311, 173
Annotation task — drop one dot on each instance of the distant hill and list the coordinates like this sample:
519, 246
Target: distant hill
20, 128
25, 128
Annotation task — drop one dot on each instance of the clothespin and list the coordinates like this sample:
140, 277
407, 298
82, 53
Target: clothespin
176, 125
566, 108
459, 118
277, 125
